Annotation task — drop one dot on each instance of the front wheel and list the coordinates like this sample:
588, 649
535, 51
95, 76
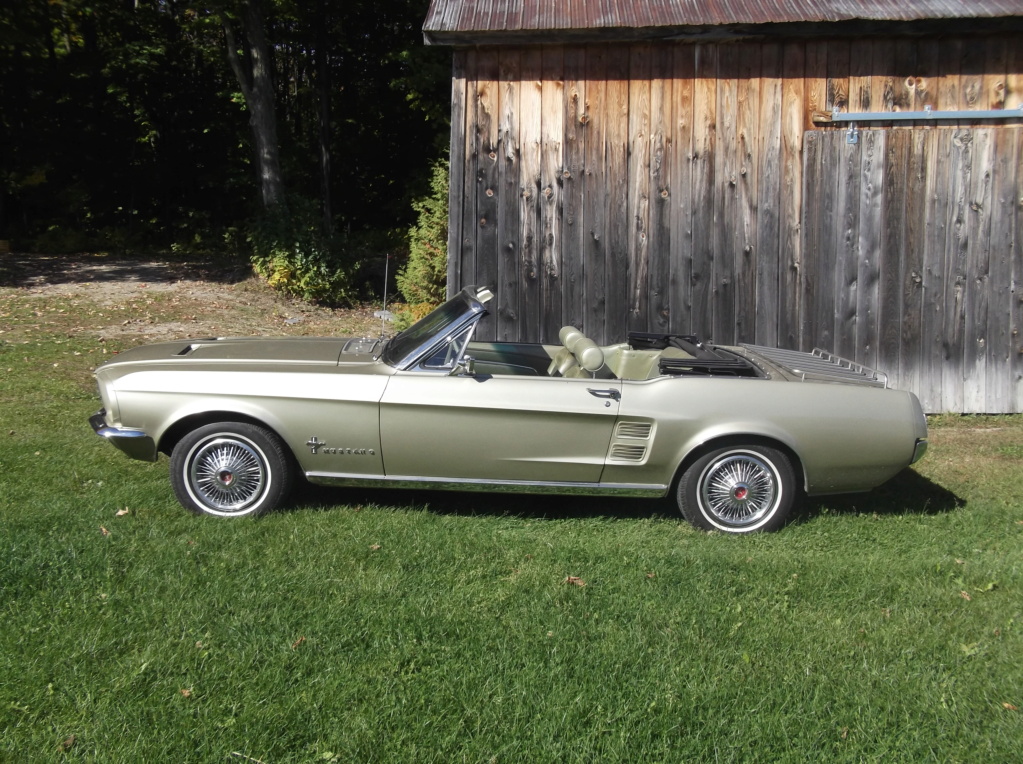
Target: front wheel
230, 469
738, 489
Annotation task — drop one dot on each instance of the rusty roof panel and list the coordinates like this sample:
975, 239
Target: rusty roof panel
460, 19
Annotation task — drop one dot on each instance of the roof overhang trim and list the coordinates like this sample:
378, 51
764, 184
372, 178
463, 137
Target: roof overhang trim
715, 33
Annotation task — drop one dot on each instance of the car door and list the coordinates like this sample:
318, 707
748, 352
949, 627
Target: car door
497, 428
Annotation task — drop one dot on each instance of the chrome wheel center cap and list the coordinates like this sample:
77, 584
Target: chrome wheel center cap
225, 477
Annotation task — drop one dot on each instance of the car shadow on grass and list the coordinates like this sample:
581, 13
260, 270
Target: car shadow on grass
908, 493
481, 504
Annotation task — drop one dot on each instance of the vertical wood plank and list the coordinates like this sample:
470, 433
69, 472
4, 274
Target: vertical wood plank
956, 248
769, 255
883, 75
861, 79
815, 81
704, 224
950, 56
845, 279
927, 80
552, 131
893, 317
978, 265
746, 257
871, 208
639, 186
617, 174
595, 194
811, 283
529, 193
487, 187
726, 161
792, 199
938, 151
832, 225
838, 75
662, 157
995, 75
1016, 317
467, 247
509, 223
971, 78
905, 78
1014, 73
911, 328
576, 128
680, 302
456, 179
999, 350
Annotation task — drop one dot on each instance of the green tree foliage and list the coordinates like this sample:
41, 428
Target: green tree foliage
123, 125
113, 130
293, 253
423, 279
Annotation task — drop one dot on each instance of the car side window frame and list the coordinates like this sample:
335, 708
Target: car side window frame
446, 357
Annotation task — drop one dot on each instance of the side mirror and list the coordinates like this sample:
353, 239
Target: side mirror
468, 366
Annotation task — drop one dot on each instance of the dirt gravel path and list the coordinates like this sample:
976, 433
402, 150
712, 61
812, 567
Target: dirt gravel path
142, 300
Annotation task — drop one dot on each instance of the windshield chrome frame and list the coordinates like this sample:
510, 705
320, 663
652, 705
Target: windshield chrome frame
470, 309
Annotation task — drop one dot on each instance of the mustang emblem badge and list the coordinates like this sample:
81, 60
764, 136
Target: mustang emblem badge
315, 443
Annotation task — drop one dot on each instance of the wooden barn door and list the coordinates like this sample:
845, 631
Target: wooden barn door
911, 242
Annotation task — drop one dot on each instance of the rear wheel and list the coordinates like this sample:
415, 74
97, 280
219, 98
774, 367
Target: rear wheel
230, 469
738, 489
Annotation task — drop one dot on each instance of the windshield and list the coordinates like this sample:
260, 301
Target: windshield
408, 345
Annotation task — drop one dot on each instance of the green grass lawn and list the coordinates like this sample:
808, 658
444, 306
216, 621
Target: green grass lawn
388, 626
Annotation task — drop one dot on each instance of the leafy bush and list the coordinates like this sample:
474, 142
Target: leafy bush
423, 279
290, 251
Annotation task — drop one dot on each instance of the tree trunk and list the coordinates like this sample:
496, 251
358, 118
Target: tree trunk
323, 85
254, 78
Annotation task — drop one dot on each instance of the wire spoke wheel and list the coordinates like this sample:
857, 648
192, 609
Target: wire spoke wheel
231, 469
738, 489
227, 474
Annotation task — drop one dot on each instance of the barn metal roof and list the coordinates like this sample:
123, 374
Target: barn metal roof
474, 21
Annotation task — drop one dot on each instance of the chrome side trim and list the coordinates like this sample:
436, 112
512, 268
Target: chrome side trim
489, 486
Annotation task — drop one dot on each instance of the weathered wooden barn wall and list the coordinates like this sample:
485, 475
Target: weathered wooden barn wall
911, 260
661, 186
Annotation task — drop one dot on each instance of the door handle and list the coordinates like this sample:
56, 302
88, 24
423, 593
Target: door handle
612, 393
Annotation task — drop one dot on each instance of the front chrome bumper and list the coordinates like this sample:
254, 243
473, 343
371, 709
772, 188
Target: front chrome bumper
135, 443
919, 450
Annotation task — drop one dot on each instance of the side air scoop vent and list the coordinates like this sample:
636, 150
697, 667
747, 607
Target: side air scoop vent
623, 453
637, 430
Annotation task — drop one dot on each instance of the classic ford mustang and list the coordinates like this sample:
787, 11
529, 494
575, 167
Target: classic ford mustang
736, 434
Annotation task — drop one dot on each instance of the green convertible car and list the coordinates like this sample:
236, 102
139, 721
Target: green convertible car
735, 434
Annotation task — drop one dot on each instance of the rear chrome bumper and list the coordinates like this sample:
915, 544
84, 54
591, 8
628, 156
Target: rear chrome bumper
135, 443
919, 450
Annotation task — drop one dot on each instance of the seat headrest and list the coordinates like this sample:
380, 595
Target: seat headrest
587, 354
568, 336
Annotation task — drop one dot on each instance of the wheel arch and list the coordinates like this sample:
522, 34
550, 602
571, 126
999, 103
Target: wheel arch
740, 439
186, 424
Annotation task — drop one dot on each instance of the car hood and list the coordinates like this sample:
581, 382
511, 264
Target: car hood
248, 351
